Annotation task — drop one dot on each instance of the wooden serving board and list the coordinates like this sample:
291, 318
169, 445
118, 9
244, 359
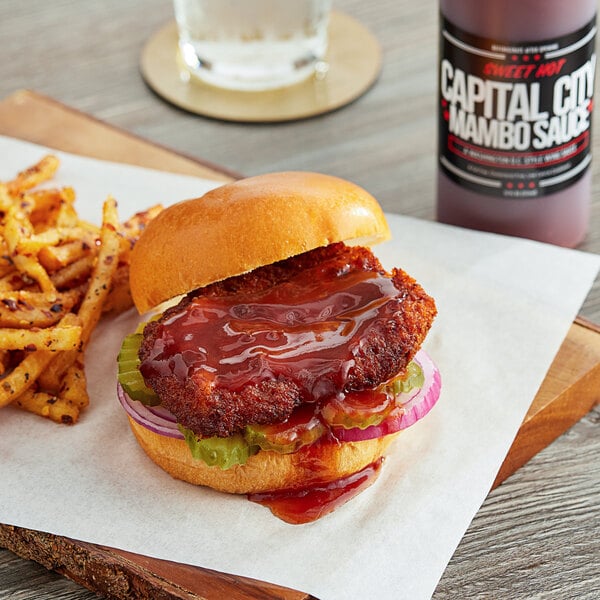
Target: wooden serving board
569, 391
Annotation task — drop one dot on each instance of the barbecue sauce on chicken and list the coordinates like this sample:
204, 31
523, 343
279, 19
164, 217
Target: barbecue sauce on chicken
305, 329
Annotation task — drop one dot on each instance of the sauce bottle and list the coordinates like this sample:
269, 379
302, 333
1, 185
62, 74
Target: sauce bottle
516, 83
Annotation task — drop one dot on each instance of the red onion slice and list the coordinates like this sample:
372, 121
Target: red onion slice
161, 412
159, 420
414, 409
155, 418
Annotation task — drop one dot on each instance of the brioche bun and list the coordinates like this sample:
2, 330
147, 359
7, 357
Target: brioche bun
266, 471
240, 226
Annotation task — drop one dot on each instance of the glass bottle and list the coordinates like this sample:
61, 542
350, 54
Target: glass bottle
516, 82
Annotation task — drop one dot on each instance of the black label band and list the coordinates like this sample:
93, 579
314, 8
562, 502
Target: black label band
515, 118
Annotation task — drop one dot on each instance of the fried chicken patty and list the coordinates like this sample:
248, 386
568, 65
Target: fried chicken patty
297, 331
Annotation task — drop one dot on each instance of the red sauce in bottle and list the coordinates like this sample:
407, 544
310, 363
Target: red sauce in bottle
516, 86
298, 506
305, 329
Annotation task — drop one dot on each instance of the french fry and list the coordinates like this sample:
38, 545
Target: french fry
31, 268
74, 273
6, 266
50, 237
133, 227
34, 175
6, 201
52, 208
51, 379
104, 270
6, 263
52, 338
74, 385
50, 406
54, 258
16, 227
24, 375
67, 216
44, 202
4, 361
12, 281
19, 309
119, 297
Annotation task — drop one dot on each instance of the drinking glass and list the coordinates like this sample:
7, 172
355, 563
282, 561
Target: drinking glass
252, 44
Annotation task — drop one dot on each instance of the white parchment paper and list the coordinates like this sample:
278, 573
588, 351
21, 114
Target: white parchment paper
505, 306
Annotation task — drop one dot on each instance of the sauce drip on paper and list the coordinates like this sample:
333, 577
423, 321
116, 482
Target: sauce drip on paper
298, 506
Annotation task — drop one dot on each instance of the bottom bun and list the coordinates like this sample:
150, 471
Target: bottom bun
266, 471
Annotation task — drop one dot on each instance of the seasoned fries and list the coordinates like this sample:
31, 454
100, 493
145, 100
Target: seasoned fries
52, 338
58, 274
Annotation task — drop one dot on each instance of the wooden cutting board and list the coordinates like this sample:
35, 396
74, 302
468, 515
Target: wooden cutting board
569, 391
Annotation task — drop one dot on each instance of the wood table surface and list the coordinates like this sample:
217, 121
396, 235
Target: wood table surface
538, 534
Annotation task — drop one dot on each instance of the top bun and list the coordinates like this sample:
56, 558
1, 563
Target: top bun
247, 224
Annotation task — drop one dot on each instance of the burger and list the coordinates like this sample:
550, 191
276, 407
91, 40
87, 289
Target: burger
288, 359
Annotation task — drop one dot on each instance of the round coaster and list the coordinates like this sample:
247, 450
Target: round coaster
354, 60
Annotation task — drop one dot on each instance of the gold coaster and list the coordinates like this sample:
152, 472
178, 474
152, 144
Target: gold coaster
354, 59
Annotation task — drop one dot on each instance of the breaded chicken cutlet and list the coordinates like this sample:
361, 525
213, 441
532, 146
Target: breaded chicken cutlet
263, 343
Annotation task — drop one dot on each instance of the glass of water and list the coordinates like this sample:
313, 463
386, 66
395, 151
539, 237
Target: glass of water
252, 44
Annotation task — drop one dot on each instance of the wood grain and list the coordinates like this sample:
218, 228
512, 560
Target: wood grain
536, 536
41, 120
569, 391
123, 575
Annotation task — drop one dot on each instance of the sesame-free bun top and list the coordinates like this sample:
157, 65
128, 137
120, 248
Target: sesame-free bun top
247, 224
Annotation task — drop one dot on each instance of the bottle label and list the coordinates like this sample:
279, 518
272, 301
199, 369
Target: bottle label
515, 118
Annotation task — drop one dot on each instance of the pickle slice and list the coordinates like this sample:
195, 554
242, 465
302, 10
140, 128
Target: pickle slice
413, 379
359, 409
301, 429
129, 375
219, 452
367, 408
